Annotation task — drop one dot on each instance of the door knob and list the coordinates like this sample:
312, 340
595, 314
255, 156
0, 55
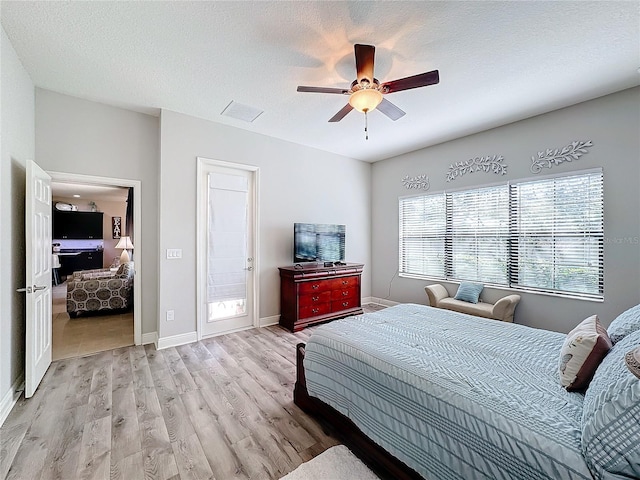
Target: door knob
35, 288
249, 268
25, 289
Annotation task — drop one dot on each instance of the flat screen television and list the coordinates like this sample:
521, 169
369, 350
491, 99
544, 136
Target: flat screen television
315, 242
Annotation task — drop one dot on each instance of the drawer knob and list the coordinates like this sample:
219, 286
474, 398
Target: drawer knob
345, 304
315, 310
345, 293
345, 282
315, 299
315, 286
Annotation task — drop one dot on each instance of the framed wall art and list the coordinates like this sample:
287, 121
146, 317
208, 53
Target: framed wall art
116, 226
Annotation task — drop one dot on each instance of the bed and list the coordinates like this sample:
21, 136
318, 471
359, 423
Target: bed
428, 393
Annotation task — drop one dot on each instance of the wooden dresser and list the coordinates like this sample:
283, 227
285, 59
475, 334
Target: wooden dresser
313, 294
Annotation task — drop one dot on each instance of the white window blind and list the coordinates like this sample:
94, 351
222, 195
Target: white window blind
544, 235
478, 234
227, 237
422, 235
558, 234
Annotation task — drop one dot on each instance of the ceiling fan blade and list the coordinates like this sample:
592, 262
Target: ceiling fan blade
365, 55
390, 110
407, 83
341, 91
342, 113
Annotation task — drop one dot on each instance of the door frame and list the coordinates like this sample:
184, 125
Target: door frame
137, 232
201, 244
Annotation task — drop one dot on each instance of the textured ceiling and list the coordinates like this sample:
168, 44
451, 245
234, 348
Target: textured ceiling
499, 61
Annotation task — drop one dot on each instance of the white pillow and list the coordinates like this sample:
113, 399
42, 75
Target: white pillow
582, 351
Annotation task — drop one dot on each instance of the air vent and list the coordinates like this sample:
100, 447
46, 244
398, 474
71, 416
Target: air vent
241, 112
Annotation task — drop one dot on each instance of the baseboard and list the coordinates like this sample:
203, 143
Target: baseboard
151, 337
11, 398
266, 321
175, 340
383, 301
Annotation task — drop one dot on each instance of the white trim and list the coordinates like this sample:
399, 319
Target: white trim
175, 340
383, 302
11, 398
151, 337
137, 232
201, 223
272, 320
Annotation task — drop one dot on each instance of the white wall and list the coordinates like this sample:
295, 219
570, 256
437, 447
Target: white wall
83, 137
17, 146
611, 122
297, 184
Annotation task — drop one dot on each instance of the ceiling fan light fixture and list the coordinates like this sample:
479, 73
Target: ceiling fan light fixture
365, 100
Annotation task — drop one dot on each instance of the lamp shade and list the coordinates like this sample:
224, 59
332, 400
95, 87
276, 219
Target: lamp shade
365, 100
124, 242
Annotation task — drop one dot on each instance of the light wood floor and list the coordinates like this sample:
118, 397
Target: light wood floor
73, 337
220, 408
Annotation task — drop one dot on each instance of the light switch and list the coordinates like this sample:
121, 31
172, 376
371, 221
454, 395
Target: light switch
173, 253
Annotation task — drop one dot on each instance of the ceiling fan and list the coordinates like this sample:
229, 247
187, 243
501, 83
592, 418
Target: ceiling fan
366, 92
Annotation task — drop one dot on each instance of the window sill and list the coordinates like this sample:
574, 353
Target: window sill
571, 296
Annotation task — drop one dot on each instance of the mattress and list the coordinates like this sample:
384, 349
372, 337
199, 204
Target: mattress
451, 395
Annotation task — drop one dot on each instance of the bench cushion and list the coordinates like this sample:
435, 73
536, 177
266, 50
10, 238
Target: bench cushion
479, 309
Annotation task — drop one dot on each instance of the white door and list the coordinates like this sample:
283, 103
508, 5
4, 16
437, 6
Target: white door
227, 255
38, 276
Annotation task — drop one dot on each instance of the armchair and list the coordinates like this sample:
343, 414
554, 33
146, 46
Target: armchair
100, 290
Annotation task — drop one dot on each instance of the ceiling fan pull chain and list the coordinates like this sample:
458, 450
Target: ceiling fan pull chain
366, 126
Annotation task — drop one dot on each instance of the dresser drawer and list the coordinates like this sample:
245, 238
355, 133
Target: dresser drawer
314, 310
314, 298
344, 293
345, 304
316, 286
344, 282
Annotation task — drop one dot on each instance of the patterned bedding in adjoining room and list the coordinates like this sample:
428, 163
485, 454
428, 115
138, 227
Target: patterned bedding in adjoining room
451, 395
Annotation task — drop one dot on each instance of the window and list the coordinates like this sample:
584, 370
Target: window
478, 234
542, 235
422, 235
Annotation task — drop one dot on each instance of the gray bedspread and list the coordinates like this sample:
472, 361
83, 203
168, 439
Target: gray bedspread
451, 395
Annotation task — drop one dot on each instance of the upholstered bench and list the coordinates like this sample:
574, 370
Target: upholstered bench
502, 310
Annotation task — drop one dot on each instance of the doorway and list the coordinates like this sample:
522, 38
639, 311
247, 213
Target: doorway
75, 332
227, 246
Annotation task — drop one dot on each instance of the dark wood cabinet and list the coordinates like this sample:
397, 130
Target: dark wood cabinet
77, 225
314, 294
81, 261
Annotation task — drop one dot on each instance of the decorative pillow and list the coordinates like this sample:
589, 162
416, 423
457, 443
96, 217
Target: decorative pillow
582, 351
469, 292
624, 324
125, 270
611, 409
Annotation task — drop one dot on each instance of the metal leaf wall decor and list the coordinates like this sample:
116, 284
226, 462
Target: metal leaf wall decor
417, 182
552, 157
478, 164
